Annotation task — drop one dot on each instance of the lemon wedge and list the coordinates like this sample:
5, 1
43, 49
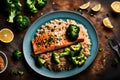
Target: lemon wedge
96, 8
85, 5
107, 23
6, 35
115, 6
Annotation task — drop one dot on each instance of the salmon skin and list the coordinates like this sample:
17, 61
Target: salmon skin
49, 42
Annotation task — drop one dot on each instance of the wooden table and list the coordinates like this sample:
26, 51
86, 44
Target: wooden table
100, 69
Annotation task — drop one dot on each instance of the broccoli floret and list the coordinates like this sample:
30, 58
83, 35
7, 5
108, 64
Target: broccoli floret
76, 61
31, 6
81, 55
17, 2
81, 58
12, 12
64, 54
41, 3
17, 54
13, 8
67, 49
73, 50
55, 58
39, 61
76, 48
21, 22
72, 32
75, 54
72, 53
20, 73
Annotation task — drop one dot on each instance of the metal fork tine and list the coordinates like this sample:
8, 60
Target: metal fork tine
111, 42
114, 45
118, 43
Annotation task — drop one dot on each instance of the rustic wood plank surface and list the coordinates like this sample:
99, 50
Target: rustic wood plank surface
100, 69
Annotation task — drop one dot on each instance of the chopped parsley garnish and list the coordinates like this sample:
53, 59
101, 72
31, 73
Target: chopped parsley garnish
38, 43
50, 39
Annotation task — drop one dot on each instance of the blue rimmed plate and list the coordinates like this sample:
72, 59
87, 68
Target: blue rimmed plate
27, 48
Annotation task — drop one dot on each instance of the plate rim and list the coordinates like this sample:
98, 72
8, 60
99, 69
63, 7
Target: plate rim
57, 12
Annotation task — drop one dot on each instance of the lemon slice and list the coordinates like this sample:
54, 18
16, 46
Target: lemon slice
85, 6
115, 6
96, 8
6, 35
107, 23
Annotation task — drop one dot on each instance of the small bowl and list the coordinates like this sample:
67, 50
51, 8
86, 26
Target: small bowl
3, 55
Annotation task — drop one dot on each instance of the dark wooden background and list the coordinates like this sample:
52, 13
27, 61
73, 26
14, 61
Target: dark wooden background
100, 69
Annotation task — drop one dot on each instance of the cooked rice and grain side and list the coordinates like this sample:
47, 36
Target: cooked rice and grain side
57, 29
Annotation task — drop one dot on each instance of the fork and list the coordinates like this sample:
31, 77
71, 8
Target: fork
115, 46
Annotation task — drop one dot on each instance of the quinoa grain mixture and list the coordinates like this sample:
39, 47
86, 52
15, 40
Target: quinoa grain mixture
52, 28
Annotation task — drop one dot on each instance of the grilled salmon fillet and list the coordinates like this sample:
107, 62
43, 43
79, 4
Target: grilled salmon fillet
49, 42
52, 36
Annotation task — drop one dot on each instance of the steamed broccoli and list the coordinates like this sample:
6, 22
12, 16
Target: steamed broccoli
17, 54
64, 54
39, 61
72, 32
76, 48
41, 3
77, 62
55, 58
21, 22
13, 7
17, 2
31, 6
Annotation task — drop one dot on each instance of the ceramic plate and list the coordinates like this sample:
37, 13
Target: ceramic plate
27, 48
